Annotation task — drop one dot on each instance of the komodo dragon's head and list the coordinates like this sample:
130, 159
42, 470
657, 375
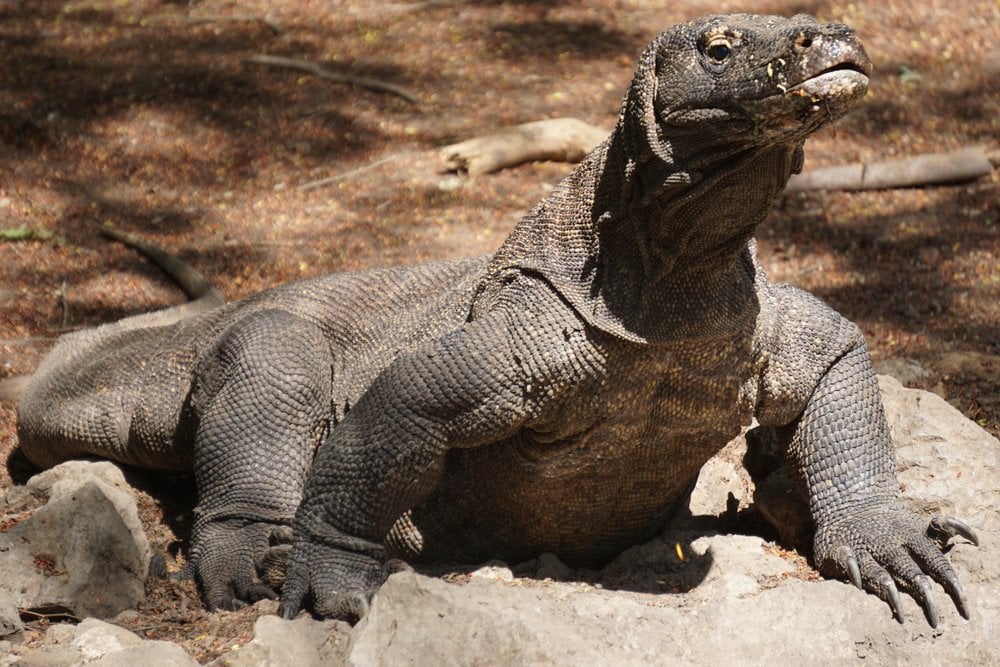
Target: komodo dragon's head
762, 79
712, 126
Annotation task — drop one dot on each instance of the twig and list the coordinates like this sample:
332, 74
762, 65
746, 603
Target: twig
311, 185
323, 73
56, 612
415, 6
239, 18
211, 18
65, 304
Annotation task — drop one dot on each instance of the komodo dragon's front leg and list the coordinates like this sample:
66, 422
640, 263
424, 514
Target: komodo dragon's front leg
820, 392
262, 396
476, 385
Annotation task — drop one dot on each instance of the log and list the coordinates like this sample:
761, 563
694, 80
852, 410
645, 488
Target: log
929, 169
558, 139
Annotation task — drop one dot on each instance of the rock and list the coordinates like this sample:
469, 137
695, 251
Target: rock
735, 566
96, 642
721, 477
947, 464
494, 570
49, 656
65, 478
83, 551
550, 567
748, 604
10, 620
419, 620
303, 642
909, 372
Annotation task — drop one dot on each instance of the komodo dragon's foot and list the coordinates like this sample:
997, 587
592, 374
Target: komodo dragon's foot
237, 563
878, 547
340, 584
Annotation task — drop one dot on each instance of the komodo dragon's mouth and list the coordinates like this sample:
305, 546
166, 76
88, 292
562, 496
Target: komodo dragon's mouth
811, 96
846, 79
849, 74
833, 90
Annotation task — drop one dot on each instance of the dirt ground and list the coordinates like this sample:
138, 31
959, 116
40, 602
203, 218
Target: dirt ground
147, 115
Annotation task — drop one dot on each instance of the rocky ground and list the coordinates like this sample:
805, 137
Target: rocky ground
148, 115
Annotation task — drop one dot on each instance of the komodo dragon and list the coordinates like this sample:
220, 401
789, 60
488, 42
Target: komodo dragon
558, 396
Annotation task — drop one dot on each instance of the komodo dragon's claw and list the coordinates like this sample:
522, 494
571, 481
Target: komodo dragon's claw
224, 559
339, 583
882, 546
943, 528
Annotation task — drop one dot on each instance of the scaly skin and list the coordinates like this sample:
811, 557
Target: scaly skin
559, 396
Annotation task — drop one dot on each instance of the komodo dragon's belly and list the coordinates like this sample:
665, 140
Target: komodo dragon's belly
604, 471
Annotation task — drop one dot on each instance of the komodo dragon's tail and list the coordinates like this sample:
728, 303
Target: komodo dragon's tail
203, 294
198, 288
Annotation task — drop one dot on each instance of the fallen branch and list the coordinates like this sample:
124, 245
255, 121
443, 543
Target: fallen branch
929, 169
558, 139
317, 70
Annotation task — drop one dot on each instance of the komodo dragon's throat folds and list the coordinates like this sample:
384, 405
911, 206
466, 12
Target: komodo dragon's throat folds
557, 396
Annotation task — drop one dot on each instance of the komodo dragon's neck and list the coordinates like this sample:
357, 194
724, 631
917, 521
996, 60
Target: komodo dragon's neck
647, 239
673, 248
650, 252
644, 245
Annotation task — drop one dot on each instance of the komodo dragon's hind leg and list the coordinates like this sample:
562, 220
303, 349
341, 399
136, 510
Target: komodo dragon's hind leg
262, 395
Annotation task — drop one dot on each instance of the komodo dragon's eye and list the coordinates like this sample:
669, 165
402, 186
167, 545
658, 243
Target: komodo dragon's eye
719, 49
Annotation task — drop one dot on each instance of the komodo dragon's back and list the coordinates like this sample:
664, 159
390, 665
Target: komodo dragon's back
123, 391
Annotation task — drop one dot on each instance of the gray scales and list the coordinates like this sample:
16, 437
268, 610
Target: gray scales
558, 396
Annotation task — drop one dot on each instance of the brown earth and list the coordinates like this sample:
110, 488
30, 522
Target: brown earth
147, 115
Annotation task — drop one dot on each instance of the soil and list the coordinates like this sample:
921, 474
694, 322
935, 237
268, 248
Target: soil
148, 116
